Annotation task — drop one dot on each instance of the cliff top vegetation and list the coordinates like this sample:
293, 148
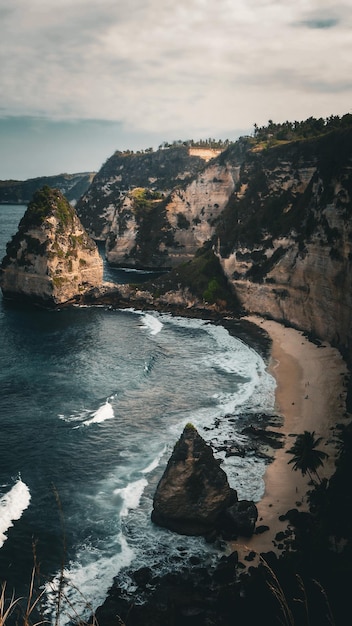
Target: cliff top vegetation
273, 133
269, 134
47, 201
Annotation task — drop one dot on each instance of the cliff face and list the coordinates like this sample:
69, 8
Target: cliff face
177, 213
278, 218
167, 232
286, 235
72, 186
279, 221
158, 171
51, 259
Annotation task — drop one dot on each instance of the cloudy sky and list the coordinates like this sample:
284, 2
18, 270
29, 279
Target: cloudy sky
80, 79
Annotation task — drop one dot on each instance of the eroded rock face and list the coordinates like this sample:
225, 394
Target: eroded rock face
286, 238
159, 171
279, 220
148, 230
194, 490
51, 259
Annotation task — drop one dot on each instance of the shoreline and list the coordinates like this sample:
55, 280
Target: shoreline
310, 395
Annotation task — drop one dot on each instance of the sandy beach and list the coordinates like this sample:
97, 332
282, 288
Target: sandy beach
310, 395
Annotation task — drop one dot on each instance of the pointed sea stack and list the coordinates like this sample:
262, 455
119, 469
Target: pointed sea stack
194, 492
51, 259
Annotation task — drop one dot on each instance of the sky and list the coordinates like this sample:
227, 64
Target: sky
80, 79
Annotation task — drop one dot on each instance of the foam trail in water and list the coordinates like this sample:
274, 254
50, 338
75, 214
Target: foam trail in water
131, 495
231, 355
154, 463
12, 505
152, 323
86, 581
105, 412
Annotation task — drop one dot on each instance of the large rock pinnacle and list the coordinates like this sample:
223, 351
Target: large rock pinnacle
51, 259
194, 491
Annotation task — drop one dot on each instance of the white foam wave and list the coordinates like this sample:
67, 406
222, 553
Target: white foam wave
131, 495
152, 323
12, 505
105, 412
86, 417
132, 270
87, 581
154, 463
255, 387
233, 356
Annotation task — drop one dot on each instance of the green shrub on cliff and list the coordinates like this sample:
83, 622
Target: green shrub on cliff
45, 202
203, 277
144, 200
212, 292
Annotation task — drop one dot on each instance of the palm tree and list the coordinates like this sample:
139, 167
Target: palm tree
306, 457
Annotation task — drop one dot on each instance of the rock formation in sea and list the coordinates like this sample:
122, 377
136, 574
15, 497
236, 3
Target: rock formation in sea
50, 259
194, 497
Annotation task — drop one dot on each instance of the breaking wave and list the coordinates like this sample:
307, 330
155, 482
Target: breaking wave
12, 505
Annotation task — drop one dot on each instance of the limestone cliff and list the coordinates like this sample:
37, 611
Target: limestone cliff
51, 259
160, 171
166, 232
277, 213
285, 238
278, 218
169, 231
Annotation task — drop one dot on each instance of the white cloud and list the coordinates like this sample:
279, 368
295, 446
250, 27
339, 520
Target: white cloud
188, 67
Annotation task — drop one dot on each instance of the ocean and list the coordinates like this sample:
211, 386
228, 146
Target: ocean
92, 402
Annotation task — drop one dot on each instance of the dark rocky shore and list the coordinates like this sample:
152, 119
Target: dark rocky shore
201, 596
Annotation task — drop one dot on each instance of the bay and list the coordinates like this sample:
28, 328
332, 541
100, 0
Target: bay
92, 402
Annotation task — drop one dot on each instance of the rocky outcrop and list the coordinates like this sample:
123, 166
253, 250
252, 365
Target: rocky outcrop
51, 259
242, 517
164, 233
279, 221
278, 217
72, 186
194, 490
160, 171
194, 497
285, 239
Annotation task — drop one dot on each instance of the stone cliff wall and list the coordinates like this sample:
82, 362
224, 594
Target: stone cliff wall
177, 226
286, 245
278, 218
21, 191
158, 171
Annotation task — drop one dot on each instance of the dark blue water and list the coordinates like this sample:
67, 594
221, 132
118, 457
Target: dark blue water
92, 402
